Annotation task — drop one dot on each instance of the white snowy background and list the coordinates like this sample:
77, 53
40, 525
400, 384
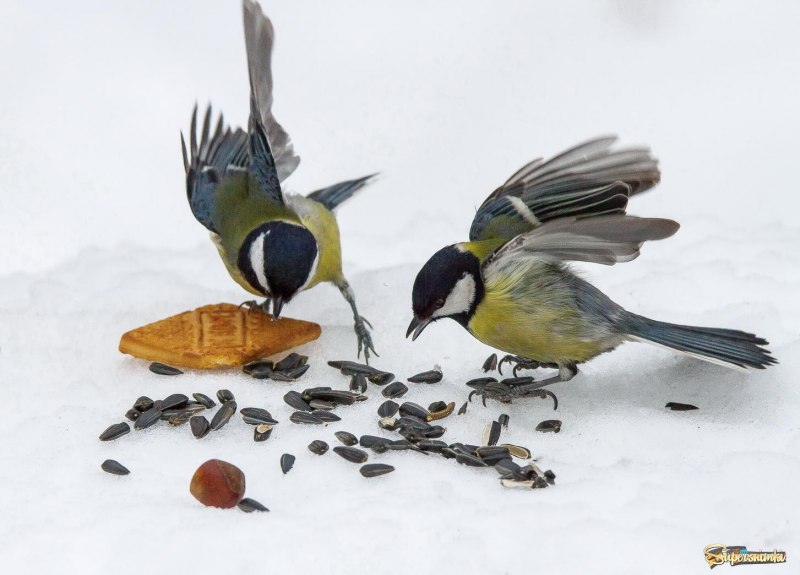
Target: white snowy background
445, 99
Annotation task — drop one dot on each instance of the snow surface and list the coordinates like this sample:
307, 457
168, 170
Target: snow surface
446, 99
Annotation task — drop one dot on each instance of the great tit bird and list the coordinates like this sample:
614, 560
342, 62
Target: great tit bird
511, 288
273, 245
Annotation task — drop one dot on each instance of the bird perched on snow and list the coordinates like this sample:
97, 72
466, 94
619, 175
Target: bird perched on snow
511, 288
274, 245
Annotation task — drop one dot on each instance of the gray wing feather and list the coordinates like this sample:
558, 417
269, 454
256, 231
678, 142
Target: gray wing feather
590, 179
209, 161
603, 240
334, 195
259, 36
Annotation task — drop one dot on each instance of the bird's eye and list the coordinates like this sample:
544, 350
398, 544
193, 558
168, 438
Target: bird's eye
439, 303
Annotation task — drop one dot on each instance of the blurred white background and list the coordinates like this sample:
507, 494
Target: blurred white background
445, 99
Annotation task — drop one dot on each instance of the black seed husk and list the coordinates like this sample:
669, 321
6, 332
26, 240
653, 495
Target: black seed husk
432, 376
463, 409
223, 415
287, 462
321, 404
351, 454
173, 401
674, 406
327, 416
258, 365
375, 469
262, 432
249, 505
257, 416
437, 406
199, 425
295, 400
395, 390
114, 467
549, 425
143, 404
318, 446
225, 395
414, 410
346, 437
291, 361
132, 414
148, 418
305, 417
163, 369
351, 367
503, 420
381, 377
358, 383
490, 364
115, 431
470, 460
371, 440
492, 433
204, 400
295, 373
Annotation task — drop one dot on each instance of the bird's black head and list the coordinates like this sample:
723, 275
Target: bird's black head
448, 285
278, 259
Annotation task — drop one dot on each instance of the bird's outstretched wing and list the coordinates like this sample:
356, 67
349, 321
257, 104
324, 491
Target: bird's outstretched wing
209, 161
334, 195
580, 182
259, 36
603, 240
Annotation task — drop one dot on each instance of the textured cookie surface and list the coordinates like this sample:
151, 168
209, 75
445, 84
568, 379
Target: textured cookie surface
219, 335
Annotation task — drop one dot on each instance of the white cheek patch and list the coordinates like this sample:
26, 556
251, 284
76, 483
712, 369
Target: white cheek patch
460, 299
257, 261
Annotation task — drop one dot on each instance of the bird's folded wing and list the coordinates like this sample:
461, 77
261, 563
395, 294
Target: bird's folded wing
259, 35
603, 240
590, 179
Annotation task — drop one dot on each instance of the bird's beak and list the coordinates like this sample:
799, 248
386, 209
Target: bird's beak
277, 306
416, 326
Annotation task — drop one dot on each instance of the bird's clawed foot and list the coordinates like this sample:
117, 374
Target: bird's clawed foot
364, 338
520, 362
510, 389
251, 304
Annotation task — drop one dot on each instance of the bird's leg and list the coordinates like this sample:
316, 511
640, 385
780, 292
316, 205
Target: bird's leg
361, 323
522, 363
507, 391
262, 307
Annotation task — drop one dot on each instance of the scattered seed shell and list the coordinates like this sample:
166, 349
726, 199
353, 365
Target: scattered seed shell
173, 401
381, 377
491, 433
351, 454
463, 409
225, 395
295, 373
318, 446
295, 400
257, 416
346, 437
517, 451
471, 460
321, 404
358, 383
249, 505
327, 416
115, 431
148, 418
442, 413
674, 406
375, 469
291, 361
262, 432
132, 414
199, 425
163, 369
490, 364
553, 425
143, 404
204, 400
287, 462
223, 415
437, 406
414, 410
258, 365
388, 408
432, 376
503, 420
394, 390
114, 467
305, 417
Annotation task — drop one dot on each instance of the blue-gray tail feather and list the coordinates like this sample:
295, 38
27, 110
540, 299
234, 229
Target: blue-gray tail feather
334, 195
722, 346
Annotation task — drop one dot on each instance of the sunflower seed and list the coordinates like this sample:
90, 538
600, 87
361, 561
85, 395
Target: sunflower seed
316, 404
199, 425
490, 364
295, 373
304, 417
549, 425
162, 369
261, 372
680, 406
550, 477
463, 409
337, 396
437, 406
257, 416
351, 454
132, 414
258, 365
524, 484
225, 395
262, 432
180, 418
414, 410
287, 462
517, 450
114, 467
442, 413
491, 455
223, 415
432, 376
388, 423
290, 362
318, 446
381, 377
413, 422
295, 400
464, 448
470, 460
491, 433
388, 408
503, 420
173, 401
370, 440
346, 437
148, 418
480, 382
507, 468
143, 404
358, 383
433, 432
204, 400
395, 390
433, 445
115, 431
375, 469
249, 505
351, 367
327, 416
